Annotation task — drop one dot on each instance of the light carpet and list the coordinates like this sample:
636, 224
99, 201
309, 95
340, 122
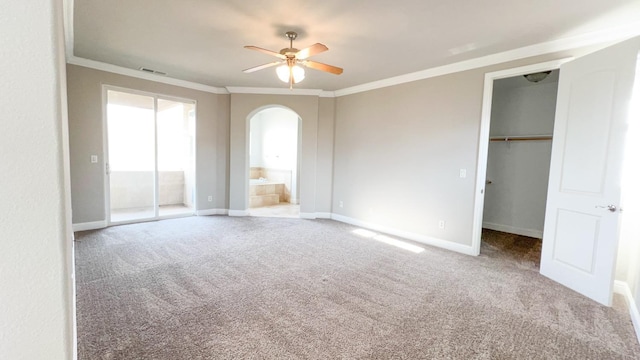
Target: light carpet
218, 287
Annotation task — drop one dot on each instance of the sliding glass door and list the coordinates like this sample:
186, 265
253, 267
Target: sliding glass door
176, 173
150, 147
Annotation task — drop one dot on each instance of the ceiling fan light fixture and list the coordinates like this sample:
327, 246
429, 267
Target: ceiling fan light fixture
283, 73
288, 66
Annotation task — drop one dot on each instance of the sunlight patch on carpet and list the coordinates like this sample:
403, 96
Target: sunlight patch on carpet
388, 240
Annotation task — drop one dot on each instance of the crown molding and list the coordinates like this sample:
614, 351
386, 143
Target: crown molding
618, 33
68, 6
327, 94
594, 38
97, 65
278, 91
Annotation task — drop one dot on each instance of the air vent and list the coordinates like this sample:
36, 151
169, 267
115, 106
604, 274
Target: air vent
153, 71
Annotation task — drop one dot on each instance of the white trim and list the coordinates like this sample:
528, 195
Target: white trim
308, 216
316, 215
238, 212
68, 26
160, 96
212, 212
513, 230
483, 138
171, 216
276, 91
93, 225
622, 288
156, 173
105, 152
594, 38
194, 158
97, 65
448, 245
106, 175
327, 94
598, 37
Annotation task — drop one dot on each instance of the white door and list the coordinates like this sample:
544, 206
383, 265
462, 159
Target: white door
581, 222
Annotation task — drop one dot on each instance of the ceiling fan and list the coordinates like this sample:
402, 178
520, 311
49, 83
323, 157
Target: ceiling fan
290, 57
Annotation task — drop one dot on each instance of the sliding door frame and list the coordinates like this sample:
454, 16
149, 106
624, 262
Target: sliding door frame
105, 153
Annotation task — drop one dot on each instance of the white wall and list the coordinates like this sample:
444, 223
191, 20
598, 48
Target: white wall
628, 265
255, 138
136, 189
274, 137
515, 200
36, 302
274, 146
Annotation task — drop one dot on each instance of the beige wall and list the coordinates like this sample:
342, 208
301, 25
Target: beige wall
399, 151
36, 300
324, 164
316, 120
86, 139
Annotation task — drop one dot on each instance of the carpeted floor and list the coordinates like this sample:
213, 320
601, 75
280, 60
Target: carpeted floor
222, 287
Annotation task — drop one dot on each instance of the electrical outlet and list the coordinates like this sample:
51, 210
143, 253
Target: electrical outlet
341, 204
441, 224
210, 198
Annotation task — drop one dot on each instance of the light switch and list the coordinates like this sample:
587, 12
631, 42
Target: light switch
94, 159
463, 173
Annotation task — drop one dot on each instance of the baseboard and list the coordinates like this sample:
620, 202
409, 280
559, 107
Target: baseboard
316, 215
238, 212
93, 225
623, 289
212, 212
513, 230
427, 240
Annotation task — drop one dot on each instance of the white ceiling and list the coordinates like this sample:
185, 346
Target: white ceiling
202, 40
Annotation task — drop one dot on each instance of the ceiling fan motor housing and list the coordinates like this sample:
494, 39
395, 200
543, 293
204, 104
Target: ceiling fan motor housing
289, 52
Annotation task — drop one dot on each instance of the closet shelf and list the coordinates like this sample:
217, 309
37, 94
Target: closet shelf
521, 138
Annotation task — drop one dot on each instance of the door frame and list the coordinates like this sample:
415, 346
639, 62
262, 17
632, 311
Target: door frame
105, 153
251, 115
483, 139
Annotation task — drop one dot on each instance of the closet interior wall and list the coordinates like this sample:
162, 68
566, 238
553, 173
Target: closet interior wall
522, 118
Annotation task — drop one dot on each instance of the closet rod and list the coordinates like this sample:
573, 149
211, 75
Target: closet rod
521, 138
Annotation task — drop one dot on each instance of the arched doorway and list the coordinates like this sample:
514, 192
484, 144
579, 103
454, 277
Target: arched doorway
274, 162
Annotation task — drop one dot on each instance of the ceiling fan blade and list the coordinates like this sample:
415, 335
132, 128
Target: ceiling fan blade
265, 51
263, 66
310, 51
322, 67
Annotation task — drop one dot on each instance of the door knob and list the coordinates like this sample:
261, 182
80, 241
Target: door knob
611, 208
